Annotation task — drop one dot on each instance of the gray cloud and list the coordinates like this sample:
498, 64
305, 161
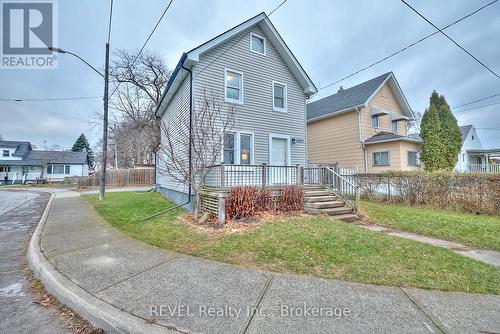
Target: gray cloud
331, 39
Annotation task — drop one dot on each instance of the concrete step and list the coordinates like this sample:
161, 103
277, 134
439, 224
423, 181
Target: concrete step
315, 199
316, 193
348, 218
331, 211
314, 187
324, 205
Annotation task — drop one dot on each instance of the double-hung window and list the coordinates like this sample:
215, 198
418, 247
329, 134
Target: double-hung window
233, 86
6, 153
375, 121
229, 148
413, 158
381, 158
394, 126
257, 44
279, 97
238, 148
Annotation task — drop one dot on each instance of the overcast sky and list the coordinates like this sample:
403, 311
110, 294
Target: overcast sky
331, 39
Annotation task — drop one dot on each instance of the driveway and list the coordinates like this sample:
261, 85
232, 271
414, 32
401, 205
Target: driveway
20, 212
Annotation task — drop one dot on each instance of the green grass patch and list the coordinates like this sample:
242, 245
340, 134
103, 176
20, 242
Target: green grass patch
479, 231
314, 246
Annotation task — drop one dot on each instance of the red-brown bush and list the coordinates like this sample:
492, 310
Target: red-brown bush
291, 199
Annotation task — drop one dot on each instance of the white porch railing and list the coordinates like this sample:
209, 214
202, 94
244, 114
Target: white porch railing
491, 168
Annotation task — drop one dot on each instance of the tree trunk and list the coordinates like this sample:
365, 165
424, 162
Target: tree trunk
197, 205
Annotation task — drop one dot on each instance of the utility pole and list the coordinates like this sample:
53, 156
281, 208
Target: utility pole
102, 181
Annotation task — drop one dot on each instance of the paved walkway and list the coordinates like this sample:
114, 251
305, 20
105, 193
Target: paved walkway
483, 255
19, 214
169, 291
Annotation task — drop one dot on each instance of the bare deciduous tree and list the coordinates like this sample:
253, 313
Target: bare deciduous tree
210, 120
142, 80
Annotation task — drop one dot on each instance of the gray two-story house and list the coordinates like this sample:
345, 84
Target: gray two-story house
251, 68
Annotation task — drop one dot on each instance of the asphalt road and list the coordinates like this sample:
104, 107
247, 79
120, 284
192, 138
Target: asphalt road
19, 216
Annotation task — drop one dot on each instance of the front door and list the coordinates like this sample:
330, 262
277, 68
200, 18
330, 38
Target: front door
279, 156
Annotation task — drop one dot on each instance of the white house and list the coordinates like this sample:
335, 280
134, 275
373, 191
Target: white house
19, 163
250, 67
473, 157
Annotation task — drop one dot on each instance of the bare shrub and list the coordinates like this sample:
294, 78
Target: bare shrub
291, 199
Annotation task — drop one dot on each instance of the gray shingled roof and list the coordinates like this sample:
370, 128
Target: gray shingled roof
22, 147
345, 99
58, 157
465, 131
388, 136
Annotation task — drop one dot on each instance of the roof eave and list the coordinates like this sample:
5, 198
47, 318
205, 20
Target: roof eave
340, 112
408, 139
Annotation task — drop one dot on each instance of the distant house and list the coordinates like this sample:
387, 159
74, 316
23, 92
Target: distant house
473, 157
20, 163
364, 127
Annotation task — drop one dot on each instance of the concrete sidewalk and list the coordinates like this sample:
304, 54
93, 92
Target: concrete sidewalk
123, 285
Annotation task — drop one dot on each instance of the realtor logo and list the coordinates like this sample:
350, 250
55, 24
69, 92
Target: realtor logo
28, 29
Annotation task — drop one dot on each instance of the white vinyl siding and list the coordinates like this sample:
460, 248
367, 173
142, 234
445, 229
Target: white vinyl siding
381, 159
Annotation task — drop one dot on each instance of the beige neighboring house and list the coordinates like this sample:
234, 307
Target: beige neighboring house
364, 127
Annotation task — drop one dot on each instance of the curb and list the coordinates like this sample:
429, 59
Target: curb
99, 313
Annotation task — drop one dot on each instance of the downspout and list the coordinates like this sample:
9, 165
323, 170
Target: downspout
190, 165
365, 157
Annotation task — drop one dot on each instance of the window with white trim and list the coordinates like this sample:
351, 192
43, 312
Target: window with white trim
381, 158
229, 148
279, 96
257, 44
238, 148
374, 121
233, 86
413, 158
58, 169
6, 153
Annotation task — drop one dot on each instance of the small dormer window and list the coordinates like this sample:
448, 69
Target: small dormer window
6, 153
257, 44
472, 137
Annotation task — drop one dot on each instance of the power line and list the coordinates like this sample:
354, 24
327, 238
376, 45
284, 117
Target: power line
49, 99
232, 45
451, 39
407, 47
146, 42
478, 107
478, 100
48, 111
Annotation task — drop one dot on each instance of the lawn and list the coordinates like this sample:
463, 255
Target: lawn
479, 231
314, 246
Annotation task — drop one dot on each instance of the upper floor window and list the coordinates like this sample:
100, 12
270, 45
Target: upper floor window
413, 158
374, 121
394, 126
257, 44
233, 86
6, 153
279, 96
472, 137
381, 158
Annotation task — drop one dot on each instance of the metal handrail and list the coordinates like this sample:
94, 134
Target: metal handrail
338, 192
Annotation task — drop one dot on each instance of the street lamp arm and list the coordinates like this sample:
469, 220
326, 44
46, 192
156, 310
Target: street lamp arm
77, 56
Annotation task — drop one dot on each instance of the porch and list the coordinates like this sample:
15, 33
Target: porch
323, 185
482, 159
19, 174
